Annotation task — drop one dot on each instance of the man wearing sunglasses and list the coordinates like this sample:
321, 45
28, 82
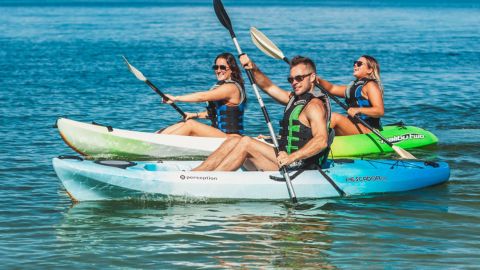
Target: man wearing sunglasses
304, 131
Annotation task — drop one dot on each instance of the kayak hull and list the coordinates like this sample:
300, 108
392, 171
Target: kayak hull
103, 141
106, 142
86, 180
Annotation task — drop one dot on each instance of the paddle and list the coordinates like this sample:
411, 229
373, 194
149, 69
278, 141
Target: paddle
142, 78
270, 49
225, 20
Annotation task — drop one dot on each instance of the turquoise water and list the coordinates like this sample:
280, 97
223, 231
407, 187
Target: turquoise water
60, 58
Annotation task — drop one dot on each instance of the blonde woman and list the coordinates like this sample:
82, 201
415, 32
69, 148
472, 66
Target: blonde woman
364, 97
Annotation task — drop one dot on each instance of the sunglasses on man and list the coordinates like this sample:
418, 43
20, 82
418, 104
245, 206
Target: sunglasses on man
298, 78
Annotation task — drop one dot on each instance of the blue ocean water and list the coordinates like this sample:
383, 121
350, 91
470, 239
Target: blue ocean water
63, 58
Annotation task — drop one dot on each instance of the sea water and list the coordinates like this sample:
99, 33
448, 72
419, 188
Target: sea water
63, 58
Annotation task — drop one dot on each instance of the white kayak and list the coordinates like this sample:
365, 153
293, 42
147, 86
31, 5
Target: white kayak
87, 180
100, 141
104, 141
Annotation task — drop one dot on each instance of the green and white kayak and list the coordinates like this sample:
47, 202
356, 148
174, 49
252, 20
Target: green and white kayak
100, 141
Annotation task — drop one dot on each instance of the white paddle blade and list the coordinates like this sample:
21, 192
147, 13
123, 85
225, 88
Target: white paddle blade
403, 153
265, 44
135, 71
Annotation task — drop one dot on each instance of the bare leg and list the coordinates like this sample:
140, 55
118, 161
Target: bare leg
193, 128
219, 155
249, 166
171, 129
259, 154
344, 126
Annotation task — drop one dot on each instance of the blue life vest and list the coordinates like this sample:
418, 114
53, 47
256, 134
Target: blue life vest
228, 119
354, 99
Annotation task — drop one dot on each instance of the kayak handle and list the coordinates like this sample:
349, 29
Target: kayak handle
109, 128
70, 157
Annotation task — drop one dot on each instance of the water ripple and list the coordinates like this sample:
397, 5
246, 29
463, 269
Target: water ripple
64, 59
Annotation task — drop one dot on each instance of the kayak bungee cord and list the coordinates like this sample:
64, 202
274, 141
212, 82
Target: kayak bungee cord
225, 21
269, 48
142, 78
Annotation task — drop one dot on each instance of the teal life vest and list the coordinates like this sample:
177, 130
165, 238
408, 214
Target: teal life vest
354, 99
228, 119
294, 135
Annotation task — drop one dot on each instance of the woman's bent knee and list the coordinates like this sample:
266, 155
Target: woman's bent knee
190, 123
245, 140
233, 139
335, 119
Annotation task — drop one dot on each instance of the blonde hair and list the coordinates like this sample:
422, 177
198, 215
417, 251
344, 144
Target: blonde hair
375, 75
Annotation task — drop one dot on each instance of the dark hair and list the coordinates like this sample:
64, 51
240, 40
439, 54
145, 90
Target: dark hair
297, 60
232, 63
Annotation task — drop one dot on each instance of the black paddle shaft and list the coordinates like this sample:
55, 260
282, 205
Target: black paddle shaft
225, 21
165, 98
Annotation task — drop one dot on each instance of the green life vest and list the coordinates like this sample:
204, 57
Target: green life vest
294, 135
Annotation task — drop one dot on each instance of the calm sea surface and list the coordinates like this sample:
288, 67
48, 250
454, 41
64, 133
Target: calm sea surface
63, 58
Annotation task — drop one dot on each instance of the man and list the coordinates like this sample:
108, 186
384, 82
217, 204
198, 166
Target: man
305, 130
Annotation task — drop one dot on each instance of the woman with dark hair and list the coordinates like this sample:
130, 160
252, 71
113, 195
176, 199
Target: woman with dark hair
364, 97
226, 103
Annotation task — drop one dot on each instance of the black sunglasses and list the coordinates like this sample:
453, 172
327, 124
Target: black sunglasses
298, 78
358, 63
222, 67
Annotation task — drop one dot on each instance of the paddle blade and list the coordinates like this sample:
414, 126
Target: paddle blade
403, 153
135, 71
265, 44
223, 16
